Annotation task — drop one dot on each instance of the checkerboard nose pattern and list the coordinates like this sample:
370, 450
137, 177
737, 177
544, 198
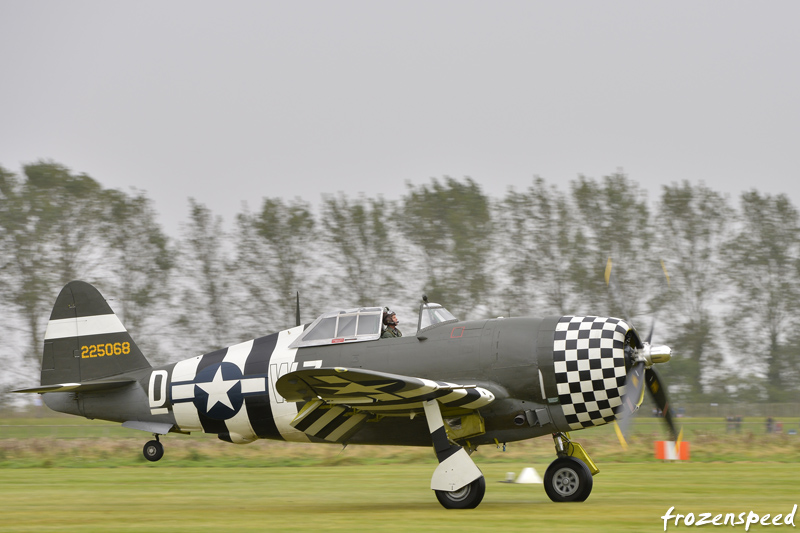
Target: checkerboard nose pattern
589, 361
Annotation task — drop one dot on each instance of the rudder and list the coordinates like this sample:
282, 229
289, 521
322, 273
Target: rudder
85, 340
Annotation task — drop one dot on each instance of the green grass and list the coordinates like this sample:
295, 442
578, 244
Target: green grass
386, 498
70, 474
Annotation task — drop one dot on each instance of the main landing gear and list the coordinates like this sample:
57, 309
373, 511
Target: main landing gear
569, 477
153, 449
457, 481
467, 497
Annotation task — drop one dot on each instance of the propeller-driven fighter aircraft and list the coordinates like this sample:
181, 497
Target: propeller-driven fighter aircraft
455, 385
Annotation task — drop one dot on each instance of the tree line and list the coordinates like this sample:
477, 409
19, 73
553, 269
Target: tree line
716, 279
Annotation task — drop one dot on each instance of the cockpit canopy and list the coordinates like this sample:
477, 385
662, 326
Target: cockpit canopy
362, 324
348, 325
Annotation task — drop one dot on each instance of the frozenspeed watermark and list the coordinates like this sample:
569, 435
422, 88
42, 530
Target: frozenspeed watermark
746, 519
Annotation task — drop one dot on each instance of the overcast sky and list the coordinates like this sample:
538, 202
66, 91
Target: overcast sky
233, 101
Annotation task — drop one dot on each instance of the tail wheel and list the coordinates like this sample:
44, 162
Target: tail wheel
568, 479
153, 450
467, 497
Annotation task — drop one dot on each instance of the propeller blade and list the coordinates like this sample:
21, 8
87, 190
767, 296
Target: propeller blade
635, 378
678, 443
659, 393
666, 274
638, 375
652, 328
634, 394
621, 436
616, 294
655, 315
623, 429
619, 301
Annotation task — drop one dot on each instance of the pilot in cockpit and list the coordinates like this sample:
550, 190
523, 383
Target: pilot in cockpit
390, 321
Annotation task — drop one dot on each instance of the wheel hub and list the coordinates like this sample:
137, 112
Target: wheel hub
460, 494
565, 482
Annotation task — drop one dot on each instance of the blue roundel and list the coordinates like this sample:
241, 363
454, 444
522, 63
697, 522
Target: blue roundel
218, 391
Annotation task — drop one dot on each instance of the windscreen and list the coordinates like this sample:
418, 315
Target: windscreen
432, 314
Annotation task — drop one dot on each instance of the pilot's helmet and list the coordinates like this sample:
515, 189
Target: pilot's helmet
387, 317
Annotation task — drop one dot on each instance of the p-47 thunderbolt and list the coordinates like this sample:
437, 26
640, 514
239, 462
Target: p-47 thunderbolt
455, 385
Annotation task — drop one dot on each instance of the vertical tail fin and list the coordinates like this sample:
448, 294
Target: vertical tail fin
85, 340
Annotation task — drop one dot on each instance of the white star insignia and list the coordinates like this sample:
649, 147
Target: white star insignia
217, 390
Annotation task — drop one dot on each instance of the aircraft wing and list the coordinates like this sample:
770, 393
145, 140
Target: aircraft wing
377, 391
340, 400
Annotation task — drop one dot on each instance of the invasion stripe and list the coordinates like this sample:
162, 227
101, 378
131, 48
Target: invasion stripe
453, 396
427, 386
83, 326
325, 433
310, 413
327, 418
347, 428
467, 399
185, 412
283, 361
240, 422
258, 407
485, 398
238, 354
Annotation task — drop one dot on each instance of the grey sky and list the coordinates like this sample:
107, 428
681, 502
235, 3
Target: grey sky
233, 101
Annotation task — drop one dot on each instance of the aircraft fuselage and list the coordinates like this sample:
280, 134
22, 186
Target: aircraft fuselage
544, 381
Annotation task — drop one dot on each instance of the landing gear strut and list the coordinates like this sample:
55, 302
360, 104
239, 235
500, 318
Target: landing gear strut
153, 449
569, 478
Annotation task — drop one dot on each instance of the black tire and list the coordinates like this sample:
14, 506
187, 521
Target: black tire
568, 479
153, 450
467, 497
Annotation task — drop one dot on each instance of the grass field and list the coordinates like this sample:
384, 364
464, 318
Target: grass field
386, 498
67, 474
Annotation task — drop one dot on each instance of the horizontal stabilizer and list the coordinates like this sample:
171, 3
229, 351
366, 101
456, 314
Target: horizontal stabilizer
77, 387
